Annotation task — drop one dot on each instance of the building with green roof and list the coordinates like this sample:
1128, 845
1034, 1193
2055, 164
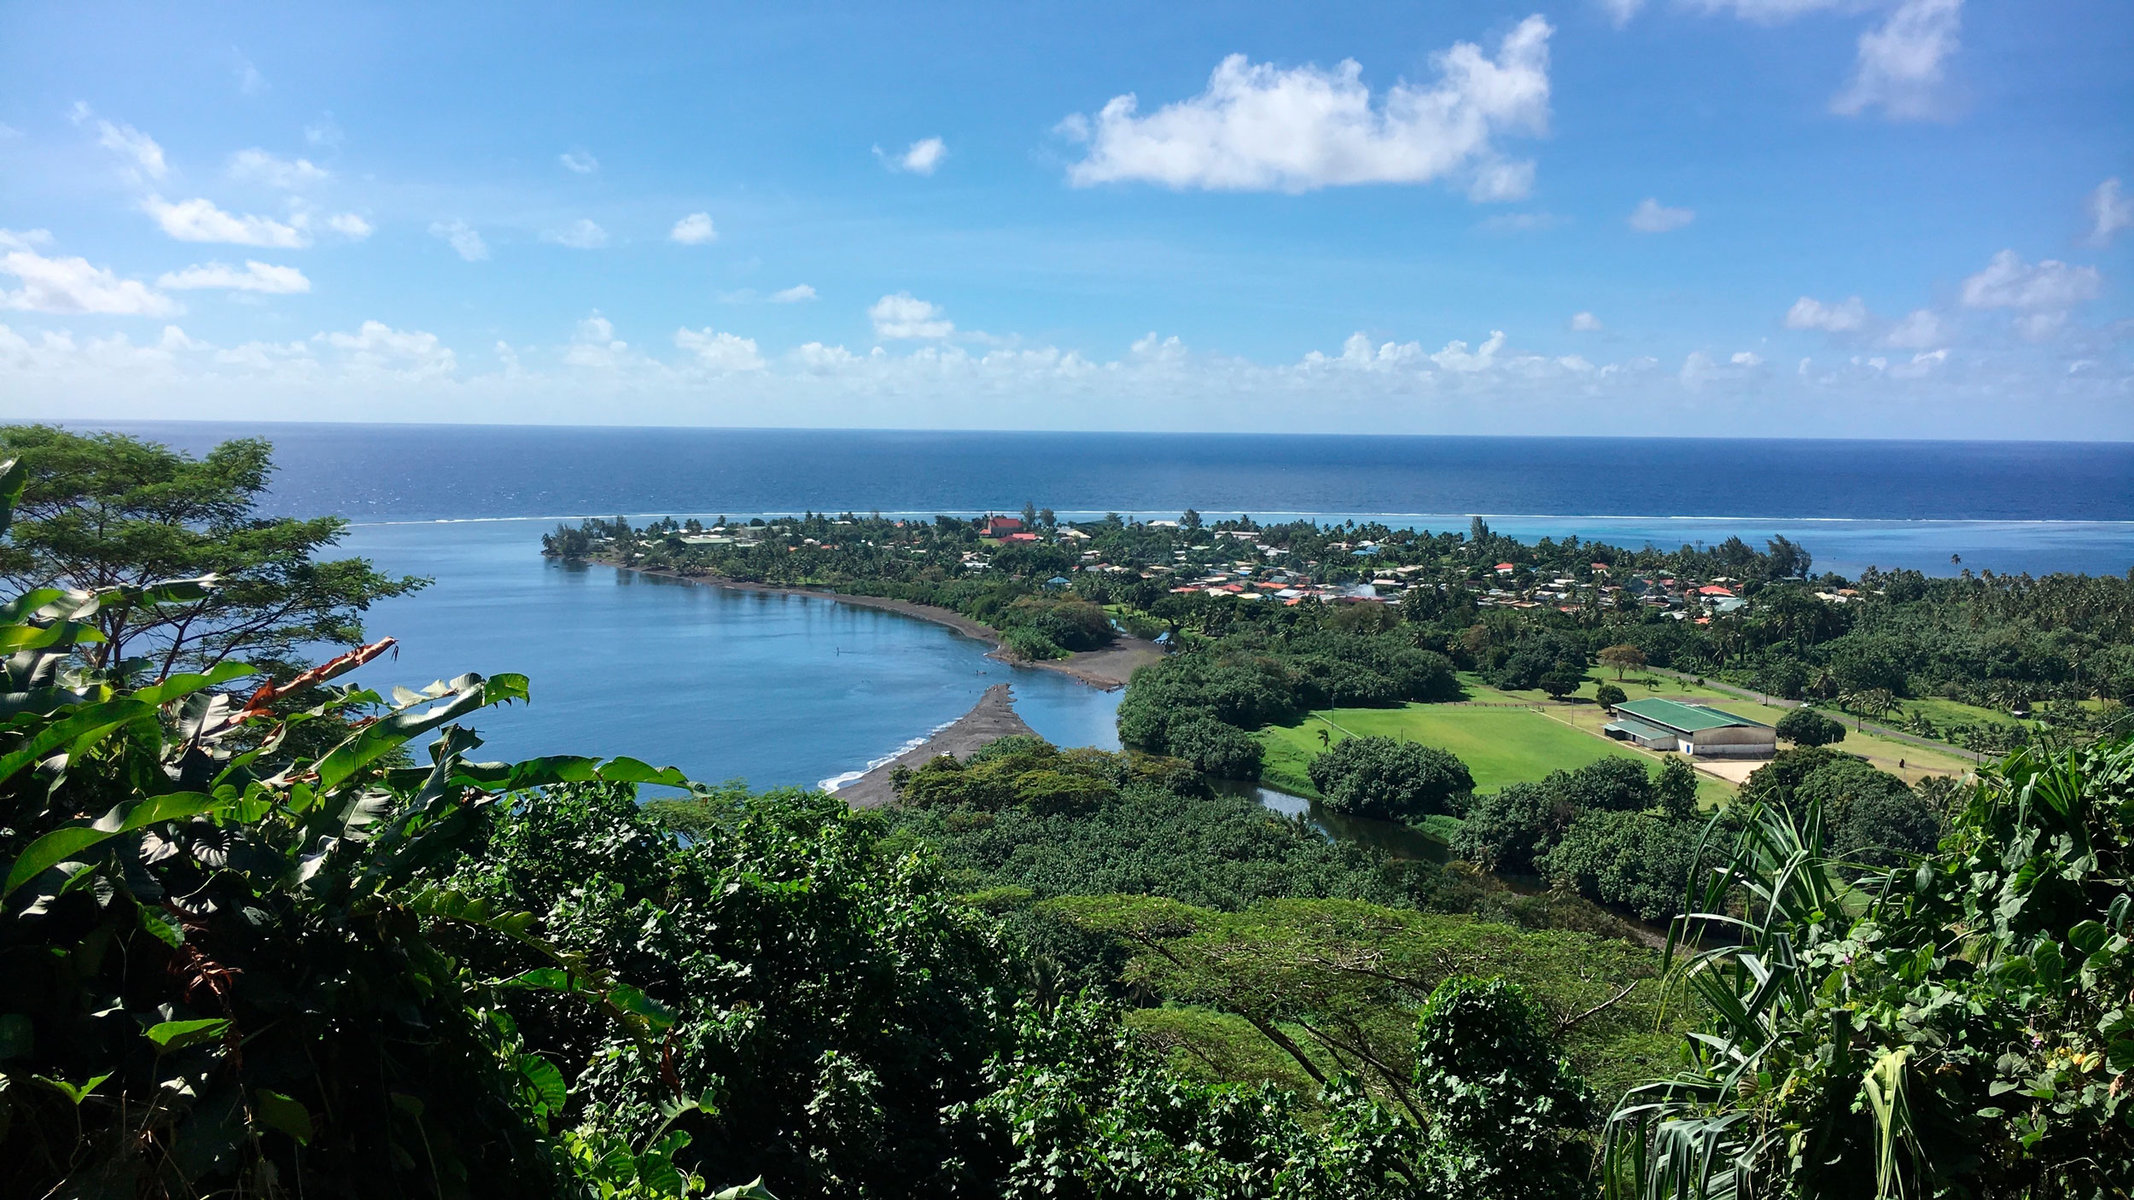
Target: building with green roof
1694, 729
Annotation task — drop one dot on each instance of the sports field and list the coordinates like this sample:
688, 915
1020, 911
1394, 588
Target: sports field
1499, 745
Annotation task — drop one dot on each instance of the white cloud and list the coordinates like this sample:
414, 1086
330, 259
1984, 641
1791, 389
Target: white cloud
349, 225
578, 162
1455, 355
581, 234
922, 157
2051, 285
2040, 326
904, 316
71, 285
1620, 11
254, 277
1259, 127
693, 230
289, 174
464, 239
1901, 60
595, 345
1650, 216
1585, 322
2110, 212
1747, 358
719, 351
376, 346
134, 146
201, 221
793, 295
1846, 316
1918, 330
323, 132
1921, 365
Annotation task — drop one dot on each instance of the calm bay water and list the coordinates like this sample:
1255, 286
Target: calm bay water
789, 690
724, 684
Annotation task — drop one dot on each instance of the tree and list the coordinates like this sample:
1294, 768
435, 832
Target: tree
1808, 727
110, 511
1675, 786
1559, 684
1624, 657
1507, 1108
1391, 780
1029, 515
1608, 695
1191, 520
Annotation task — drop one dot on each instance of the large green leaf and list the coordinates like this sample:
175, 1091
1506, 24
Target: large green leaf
62, 844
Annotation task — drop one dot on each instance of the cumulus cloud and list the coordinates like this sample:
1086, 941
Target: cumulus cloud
1846, 316
793, 295
1747, 358
1900, 64
288, 174
581, 234
379, 347
1456, 357
1916, 331
578, 162
2110, 212
693, 230
1620, 11
1585, 322
200, 221
71, 285
1260, 127
254, 276
903, 315
2050, 285
922, 157
465, 239
1650, 216
719, 351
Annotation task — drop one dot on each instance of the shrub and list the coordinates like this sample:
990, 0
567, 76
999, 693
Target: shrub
1224, 751
1609, 695
1808, 727
1391, 780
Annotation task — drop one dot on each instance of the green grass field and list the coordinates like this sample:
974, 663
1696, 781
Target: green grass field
1499, 745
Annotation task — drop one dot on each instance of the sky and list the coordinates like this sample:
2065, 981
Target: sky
1803, 218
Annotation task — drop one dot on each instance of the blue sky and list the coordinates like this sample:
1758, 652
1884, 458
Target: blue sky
1787, 217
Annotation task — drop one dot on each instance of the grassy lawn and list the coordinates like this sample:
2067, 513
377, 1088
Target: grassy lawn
1499, 745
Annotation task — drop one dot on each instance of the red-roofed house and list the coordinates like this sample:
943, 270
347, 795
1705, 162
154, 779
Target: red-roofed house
1506, 568
1001, 526
1020, 537
1713, 589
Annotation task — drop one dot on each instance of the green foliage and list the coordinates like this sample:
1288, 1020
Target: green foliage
1955, 1029
1810, 727
1224, 751
241, 978
1507, 1110
1608, 695
108, 511
1506, 830
1333, 988
1630, 860
1872, 820
1390, 780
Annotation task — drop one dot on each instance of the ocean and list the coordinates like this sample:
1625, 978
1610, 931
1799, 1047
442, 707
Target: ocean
798, 691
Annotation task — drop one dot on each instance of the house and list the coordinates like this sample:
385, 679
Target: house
1506, 568
1021, 539
1713, 589
1694, 729
1058, 581
1000, 526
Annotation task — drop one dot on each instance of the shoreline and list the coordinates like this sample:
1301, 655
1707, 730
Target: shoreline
1107, 669
994, 716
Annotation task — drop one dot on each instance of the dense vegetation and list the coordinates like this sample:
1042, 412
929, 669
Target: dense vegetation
252, 943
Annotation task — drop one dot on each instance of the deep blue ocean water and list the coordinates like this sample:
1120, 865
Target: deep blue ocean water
787, 690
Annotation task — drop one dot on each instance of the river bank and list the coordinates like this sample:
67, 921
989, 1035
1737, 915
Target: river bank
994, 716
1108, 668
